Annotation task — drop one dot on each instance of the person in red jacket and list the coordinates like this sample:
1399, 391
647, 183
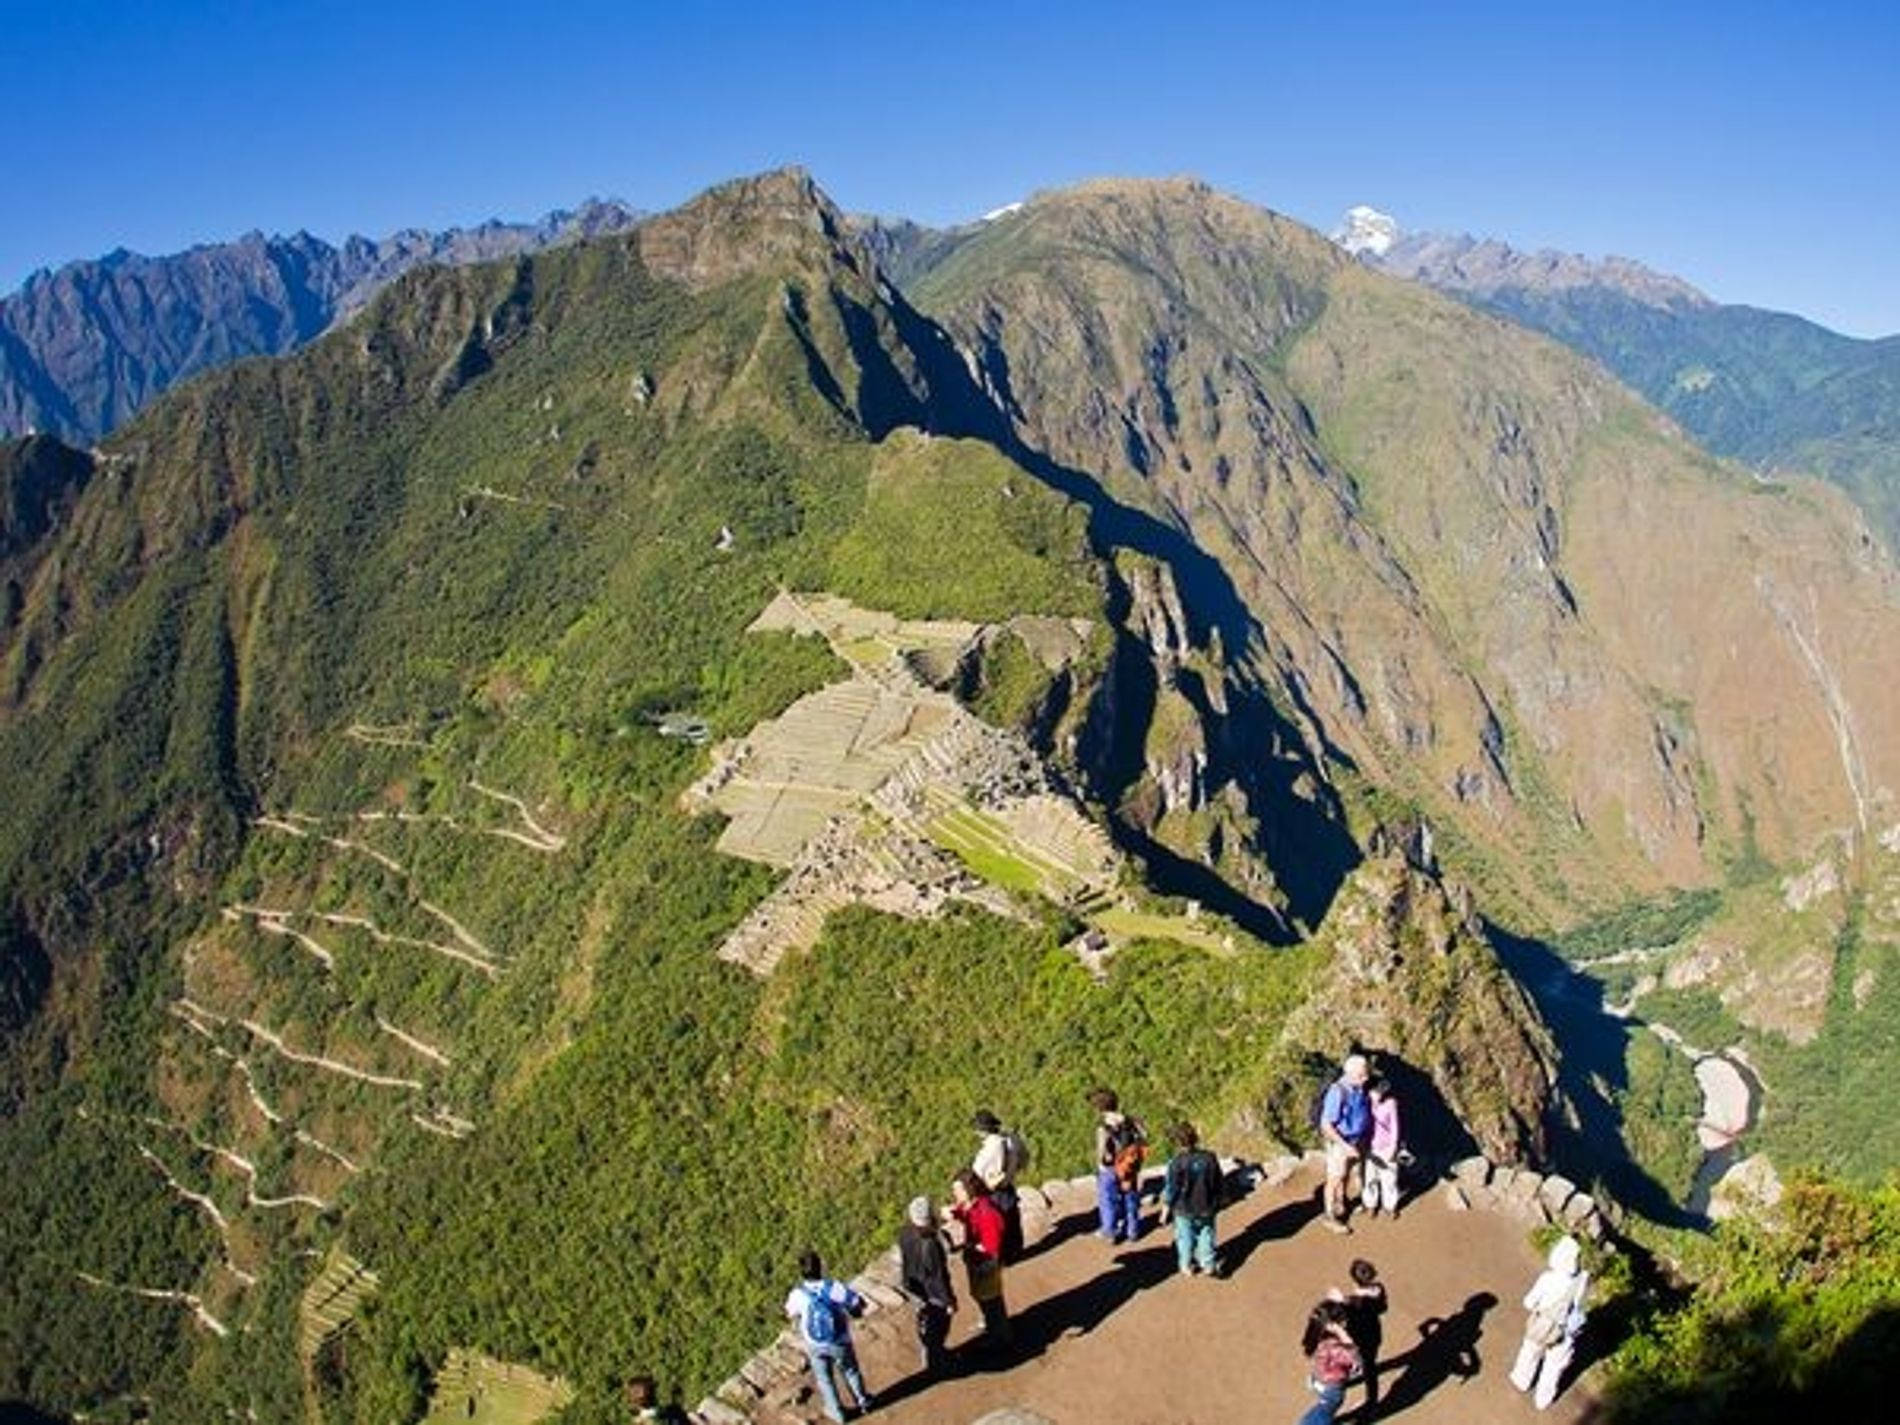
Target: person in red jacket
983, 1230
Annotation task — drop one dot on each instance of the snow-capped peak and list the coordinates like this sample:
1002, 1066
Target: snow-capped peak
1002, 212
1367, 230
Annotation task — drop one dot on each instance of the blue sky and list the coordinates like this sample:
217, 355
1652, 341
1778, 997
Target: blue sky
1748, 147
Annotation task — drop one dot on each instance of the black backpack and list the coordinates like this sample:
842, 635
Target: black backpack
1200, 1187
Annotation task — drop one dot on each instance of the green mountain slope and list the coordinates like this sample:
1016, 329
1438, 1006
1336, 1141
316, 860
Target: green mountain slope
529, 812
352, 914
1775, 390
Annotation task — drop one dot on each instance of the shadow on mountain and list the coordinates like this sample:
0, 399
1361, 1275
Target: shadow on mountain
1593, 1047
1432, 1129
1302, 823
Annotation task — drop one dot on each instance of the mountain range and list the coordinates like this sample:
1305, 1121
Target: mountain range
1776, 391
86, 346
566, 789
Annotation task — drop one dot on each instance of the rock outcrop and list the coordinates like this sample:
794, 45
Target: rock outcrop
1413, 980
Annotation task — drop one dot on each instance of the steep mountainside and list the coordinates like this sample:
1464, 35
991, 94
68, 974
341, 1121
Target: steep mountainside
1765, 387
1477, 572
528, 812
83, 348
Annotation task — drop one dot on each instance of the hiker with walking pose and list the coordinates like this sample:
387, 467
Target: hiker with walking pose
1555, 1303
982, 1253
1120, 1149
1381, 1167
823, 1309
1332, 1360
1345, 1122
1191, 1194
999, 1158
925, 1259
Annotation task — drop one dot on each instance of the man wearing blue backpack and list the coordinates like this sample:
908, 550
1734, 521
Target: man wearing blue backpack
823, 1309
1345, 1123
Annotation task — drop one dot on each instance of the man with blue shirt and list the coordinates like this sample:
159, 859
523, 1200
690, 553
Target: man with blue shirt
1345, 1122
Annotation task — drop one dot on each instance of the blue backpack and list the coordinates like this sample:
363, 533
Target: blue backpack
824, 1318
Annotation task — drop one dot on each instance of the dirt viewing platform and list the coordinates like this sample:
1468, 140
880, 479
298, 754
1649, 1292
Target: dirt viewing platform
1112, 1335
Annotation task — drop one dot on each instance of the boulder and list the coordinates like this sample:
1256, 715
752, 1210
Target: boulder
1554, 1194
1471, 1174
738, 1390
1579, 1210
761, 1372
713, 1411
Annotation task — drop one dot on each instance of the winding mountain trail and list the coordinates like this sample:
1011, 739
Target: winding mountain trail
399, 734
152, 1293
277, 922
1113, 1336
383, 937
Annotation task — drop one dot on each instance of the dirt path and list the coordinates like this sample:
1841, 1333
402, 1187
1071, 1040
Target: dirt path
1113, 1337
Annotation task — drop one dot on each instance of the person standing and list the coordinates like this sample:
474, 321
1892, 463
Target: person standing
823, 1309
1331, 1361
1191, 1194
999, 1157
982, 1253
1120, 1149
1381, 1168
925, 1260
1365, 1305
1345, 1121
1555, 1303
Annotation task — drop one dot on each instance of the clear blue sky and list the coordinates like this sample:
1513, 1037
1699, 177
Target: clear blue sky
1752, 148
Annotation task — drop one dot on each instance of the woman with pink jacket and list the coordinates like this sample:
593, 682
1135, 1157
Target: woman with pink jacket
1382, 1153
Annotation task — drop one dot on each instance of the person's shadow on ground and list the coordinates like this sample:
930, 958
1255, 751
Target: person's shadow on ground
1447, 1346
1074, 1312
1274, 1226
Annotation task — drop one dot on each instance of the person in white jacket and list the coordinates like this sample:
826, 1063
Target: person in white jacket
1555, 1303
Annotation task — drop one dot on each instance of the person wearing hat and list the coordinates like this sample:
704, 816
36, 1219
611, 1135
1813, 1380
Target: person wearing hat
999, 1157
924, 1257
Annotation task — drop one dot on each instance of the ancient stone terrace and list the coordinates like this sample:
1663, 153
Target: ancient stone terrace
882, 790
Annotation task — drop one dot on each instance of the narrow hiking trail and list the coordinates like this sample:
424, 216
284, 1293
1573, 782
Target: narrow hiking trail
1112, 1336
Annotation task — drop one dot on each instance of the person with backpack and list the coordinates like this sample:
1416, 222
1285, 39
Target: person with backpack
999, 1158
1191, 1195
1345, 1123
1555, 1303
982, 1253
823, 1309
1121, 1147
1365, 1305
1331, 1360
1381, 1168
924, 1257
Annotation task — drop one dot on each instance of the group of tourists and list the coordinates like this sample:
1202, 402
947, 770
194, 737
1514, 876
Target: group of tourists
1358, 1122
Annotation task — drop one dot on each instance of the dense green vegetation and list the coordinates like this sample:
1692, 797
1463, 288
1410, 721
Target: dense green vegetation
1640, 926
484, 562
1829, 1099
1802, 1312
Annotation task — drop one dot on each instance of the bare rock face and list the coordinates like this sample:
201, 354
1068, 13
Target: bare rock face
1413, 978
1470, 564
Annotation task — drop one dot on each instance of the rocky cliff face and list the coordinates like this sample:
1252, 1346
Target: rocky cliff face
1412, 979
1473, 571
85, 347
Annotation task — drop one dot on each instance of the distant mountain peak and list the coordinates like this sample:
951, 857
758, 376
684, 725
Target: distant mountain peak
1366, 230
1484, 266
